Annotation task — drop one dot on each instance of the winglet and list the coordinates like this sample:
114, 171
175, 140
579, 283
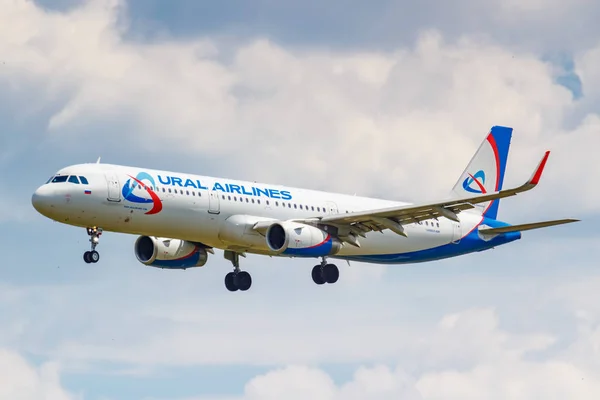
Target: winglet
535, 178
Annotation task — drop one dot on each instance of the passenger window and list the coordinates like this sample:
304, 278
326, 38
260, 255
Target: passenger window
187, 192
267, 202
73, 179
276, 203
247, 200
258, 201
312, 208
228, 197
252, 201
83, 180
169, 190
60, 179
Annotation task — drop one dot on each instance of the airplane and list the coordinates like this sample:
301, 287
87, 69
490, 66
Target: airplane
182, 218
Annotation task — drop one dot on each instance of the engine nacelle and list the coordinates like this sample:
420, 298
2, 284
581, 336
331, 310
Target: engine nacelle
169, 253
301, 240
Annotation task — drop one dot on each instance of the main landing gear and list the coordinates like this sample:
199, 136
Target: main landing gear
236, 280
241, 280
93, 256
325, 273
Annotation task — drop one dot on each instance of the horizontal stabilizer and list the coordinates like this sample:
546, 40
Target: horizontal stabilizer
524, 227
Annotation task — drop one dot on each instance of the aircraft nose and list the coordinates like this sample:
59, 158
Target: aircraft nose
41, 199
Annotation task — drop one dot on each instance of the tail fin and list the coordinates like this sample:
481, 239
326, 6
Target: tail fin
485, 172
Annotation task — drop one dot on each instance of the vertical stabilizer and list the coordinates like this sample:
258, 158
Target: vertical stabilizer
485, 172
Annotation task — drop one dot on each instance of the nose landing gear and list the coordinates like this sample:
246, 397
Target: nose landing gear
93, 256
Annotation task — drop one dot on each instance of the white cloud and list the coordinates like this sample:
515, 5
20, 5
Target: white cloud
133, 319
19, 380
372, 123
298, 382
500, 370
399, 124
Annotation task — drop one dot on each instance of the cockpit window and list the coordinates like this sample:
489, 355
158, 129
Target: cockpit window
60, 178
83, 180
73, 179
49, 180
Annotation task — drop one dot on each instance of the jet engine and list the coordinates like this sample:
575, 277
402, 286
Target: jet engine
301, 240
169, 253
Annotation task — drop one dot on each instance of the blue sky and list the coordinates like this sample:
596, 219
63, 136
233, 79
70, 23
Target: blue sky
379, 98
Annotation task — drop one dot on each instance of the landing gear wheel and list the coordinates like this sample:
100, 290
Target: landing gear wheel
331, 273
325, 273
86, 257
230, 282
236, 280
317, 275
243, 281
94, 256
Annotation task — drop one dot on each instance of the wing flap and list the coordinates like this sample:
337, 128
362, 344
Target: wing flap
525, 227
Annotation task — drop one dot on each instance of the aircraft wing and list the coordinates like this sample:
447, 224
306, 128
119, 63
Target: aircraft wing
393, 218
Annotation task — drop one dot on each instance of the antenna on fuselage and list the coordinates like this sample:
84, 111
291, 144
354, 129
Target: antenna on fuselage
98, 160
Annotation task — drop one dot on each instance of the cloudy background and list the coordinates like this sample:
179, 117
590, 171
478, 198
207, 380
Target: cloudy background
381, 98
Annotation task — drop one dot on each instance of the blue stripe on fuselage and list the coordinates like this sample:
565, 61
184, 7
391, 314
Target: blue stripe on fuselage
468, 244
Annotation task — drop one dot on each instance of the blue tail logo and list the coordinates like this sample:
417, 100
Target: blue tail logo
478, 179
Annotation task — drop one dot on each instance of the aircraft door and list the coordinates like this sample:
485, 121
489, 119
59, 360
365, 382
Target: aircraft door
213, 202
112, 180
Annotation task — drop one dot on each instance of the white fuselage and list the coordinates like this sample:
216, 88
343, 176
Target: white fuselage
220, 212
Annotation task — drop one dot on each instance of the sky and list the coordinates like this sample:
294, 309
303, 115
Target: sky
384, 98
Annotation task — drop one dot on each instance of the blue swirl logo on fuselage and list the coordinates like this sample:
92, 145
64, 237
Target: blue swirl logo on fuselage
478, 179
133, 183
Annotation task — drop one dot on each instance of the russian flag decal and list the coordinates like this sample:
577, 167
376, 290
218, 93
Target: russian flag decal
88, 192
